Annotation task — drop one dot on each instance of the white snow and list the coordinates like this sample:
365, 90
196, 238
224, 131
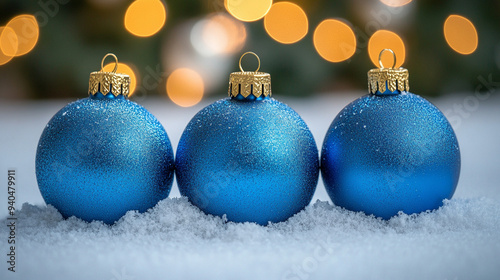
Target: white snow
175, 240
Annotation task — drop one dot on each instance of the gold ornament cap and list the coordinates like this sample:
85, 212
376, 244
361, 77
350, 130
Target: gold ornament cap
249, 83
109, 82
383, 80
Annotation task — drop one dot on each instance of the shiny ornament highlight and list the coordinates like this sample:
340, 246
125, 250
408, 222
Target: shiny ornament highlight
390, 151
249, 157
104, 155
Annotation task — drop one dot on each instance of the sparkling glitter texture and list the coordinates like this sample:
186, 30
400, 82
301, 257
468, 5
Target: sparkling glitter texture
387, 153
102, 156
253, 161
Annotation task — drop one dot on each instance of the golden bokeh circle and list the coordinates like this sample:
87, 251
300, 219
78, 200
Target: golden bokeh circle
334, 40
27, 31
8, 44
460, 34
185, 87
248, 10
144, 18
385, 39
286, 22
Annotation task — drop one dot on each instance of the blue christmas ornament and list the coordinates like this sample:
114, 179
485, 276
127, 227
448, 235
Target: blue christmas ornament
102, 156
390, 151
249, 157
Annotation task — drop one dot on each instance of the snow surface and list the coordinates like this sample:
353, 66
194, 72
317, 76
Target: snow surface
175, 240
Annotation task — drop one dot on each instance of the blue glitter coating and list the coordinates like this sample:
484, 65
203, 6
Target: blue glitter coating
254, 161
388, 153
101, 156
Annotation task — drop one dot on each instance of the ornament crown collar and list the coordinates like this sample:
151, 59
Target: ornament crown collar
109, 82
251, 85
387, 81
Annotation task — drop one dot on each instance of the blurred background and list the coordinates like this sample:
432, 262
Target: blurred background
185, 50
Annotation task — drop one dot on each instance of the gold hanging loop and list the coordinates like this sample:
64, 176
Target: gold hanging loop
104, 58
258, 60
380, 58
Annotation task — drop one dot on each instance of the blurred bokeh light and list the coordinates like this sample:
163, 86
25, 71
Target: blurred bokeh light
385, 39
186, 47
248, 10
61, 41
8, 44
334, 40
145, 18
460, 34
286, 22
26, 29
218, 34
395, 3
185, 87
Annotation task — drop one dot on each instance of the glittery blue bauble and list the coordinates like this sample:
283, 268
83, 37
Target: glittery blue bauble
254, 161
102, 156
388, 153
